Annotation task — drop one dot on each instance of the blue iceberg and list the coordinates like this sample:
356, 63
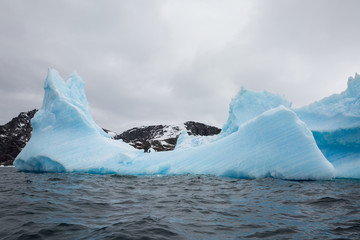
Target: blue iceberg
335, 124
263, 137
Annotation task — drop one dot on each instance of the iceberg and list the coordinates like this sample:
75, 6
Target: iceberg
335, 124
65, 137
263, 137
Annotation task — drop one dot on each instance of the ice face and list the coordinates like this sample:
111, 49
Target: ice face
249, 104
65, 136
245, 106
273, 144
65, 104
186, 141
339, 111
335, 123
266, 139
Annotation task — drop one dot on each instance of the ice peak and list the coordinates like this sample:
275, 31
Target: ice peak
249, 104
354, 85
75, 74
75, 82
53, 78
242, 91
68, 100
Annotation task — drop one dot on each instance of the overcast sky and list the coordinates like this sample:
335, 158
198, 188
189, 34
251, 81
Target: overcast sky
151, 62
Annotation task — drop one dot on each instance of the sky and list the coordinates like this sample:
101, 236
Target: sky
147, 62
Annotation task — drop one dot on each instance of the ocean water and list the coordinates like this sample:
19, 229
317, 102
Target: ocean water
85, 206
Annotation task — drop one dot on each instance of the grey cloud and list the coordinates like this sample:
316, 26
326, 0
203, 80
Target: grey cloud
149, 62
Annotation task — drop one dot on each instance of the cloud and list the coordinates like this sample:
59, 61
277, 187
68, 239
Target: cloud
151, 62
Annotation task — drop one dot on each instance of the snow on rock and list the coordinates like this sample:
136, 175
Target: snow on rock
268, 140
335, 123
14, 135
110, 133
164, 137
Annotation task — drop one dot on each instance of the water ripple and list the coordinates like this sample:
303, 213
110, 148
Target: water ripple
85, 206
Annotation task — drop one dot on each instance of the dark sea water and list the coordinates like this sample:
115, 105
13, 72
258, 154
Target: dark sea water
85, 206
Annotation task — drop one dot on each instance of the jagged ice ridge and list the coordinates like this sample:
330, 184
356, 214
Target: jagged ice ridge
263, 137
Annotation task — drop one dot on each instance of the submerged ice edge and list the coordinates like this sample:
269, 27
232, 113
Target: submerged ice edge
263, 137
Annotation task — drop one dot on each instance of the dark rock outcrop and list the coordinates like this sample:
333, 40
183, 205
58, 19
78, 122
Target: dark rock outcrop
14, 135
200, 129
163, 137
158, 137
